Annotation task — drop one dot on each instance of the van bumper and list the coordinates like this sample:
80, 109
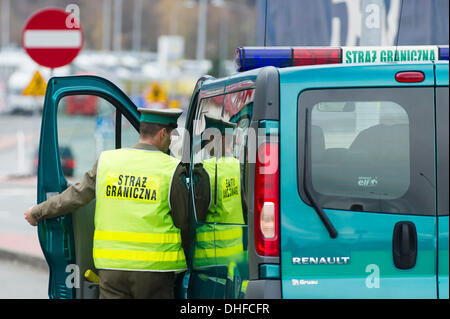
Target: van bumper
263, 289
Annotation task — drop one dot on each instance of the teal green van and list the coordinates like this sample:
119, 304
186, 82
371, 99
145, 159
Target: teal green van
332, 182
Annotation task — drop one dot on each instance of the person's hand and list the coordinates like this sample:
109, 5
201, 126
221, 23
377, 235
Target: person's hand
30, 219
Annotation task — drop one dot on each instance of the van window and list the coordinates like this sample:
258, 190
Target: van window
219, 159
86, 127
370, 149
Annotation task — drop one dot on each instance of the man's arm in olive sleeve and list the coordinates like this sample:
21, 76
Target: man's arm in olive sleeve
202, 192
179, 203
71, 199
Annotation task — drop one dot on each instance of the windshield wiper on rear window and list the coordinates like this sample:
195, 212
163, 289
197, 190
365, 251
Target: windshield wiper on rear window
323, 217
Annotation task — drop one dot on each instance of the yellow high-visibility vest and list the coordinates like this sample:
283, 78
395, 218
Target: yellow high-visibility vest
214, 242
133, 226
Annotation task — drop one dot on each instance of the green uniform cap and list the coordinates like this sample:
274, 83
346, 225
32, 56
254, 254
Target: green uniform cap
160, 116
221, 125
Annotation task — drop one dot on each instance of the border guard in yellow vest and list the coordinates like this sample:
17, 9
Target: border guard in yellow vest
219, 177
141, 214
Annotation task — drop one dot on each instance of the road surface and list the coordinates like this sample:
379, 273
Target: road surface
20, 281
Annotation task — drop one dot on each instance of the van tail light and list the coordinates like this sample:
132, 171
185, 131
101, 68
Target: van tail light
267, 200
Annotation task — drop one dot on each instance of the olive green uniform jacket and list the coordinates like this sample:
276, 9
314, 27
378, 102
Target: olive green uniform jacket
116, 283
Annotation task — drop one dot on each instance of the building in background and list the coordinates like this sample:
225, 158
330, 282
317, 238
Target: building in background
352, 22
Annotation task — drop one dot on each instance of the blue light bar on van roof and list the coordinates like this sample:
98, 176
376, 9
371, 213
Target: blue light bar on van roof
248, 58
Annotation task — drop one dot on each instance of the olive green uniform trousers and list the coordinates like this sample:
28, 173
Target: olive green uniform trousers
117, 284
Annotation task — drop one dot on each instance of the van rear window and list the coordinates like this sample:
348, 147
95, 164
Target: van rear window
369, 149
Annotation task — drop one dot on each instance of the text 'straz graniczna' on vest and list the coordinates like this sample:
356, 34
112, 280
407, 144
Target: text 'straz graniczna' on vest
230, 187
133, 187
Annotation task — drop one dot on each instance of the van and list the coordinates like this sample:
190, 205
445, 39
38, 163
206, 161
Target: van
331, 180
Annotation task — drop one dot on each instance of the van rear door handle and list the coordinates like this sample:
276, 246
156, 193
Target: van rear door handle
404, 245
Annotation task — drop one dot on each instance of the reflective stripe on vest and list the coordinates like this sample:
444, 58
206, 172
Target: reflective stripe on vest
218, 244
205, 253
228, 240
133, 226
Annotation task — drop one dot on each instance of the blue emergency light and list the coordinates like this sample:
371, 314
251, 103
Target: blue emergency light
248, 58
252, 58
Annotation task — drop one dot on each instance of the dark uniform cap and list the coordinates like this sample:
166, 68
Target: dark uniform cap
221, 125
160, 116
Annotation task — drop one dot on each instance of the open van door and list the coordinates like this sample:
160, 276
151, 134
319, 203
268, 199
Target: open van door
66, 241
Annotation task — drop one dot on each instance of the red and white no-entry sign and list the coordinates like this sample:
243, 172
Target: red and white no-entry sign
51, 38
